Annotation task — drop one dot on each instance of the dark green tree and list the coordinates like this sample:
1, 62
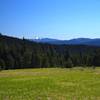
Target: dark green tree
2, 64
69, 63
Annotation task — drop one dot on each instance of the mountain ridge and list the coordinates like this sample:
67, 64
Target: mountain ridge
75, 41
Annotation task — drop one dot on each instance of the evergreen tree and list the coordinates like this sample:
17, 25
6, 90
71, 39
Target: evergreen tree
2, 64
69, 63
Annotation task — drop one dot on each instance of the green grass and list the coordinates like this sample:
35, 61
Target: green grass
50, 84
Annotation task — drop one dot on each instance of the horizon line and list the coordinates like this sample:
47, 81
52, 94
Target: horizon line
37, 37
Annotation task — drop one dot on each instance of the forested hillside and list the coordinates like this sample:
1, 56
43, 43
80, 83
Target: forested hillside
21, 53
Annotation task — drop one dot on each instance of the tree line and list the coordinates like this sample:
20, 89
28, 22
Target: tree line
21, 53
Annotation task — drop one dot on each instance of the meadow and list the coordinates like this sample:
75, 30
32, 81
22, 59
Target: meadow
50, 84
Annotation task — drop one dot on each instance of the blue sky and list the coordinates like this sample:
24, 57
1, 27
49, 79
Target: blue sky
60, 19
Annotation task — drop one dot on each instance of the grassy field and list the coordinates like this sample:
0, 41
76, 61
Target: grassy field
50, 84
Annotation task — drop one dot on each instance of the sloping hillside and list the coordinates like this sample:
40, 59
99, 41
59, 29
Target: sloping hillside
21, 53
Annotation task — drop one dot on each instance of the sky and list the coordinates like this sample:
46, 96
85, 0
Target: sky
59, 19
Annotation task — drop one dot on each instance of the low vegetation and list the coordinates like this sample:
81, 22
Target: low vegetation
50, 84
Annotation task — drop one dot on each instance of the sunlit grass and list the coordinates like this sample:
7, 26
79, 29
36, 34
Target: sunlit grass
50, 84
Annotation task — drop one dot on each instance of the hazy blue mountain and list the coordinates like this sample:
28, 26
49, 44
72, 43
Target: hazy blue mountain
47, 40
84, 41
95, 42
